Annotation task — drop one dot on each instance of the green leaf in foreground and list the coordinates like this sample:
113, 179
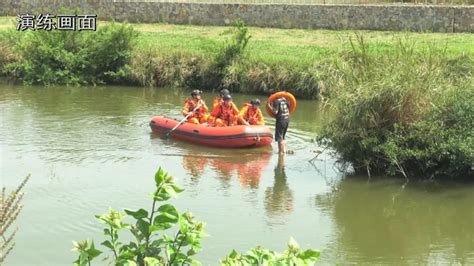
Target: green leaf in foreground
154, 245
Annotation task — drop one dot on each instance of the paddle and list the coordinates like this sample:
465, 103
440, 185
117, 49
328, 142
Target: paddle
182, 121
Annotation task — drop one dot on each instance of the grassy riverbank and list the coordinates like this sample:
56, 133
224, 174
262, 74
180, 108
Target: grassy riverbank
403, 102
290, 46
294, 60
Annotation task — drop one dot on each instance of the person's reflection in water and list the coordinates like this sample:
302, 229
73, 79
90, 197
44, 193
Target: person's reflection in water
194, 165
279, 198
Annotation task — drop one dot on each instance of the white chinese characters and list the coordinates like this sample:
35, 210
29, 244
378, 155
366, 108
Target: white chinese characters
48, 22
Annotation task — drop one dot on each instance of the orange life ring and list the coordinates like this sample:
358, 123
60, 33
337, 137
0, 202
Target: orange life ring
288, 96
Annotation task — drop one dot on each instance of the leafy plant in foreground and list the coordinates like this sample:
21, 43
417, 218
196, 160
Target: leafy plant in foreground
261, 256
153, 246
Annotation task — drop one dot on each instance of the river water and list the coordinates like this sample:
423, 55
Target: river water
91, 148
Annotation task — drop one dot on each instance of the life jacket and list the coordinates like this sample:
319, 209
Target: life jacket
191, 105
225, 113
216, 102
250, 115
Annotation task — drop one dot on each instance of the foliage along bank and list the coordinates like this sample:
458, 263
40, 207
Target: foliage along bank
406, 111
409, 114
110, 56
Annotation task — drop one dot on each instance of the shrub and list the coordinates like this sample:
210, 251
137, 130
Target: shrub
442, 144
261, 256
73, 57
227, 57
6, 57
389, 112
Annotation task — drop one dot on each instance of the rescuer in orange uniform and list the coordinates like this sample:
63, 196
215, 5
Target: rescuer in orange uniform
199, 115
225, 114
215, 104
251, 114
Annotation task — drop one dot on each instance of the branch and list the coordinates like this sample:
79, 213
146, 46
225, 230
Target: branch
150, 219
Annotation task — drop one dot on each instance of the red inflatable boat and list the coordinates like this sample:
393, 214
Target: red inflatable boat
225, 137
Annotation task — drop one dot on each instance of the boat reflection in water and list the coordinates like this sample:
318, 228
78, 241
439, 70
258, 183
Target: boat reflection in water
247, 165
194, 165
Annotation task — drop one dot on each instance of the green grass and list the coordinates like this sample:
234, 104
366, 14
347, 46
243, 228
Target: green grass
275, 46
294, 46
285, 59
290, 45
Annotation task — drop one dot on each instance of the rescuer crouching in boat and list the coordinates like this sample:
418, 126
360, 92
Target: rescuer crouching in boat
197, 106
220, 99
251, 114
215, 105
225, 114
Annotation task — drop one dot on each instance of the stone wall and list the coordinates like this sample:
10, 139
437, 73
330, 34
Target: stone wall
357, 17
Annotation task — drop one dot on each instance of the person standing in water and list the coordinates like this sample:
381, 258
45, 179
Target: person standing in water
281, 108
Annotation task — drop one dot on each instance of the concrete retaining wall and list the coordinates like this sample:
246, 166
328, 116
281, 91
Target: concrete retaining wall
336, 17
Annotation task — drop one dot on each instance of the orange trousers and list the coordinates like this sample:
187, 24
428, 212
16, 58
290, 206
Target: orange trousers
222, 123
199, 120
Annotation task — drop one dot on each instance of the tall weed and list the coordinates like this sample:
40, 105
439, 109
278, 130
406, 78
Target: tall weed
385, 104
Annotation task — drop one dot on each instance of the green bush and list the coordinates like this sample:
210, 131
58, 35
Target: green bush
6, 57
262, 256
153, 69
440, 145
405, 113
214, 77
73, 57
153, 246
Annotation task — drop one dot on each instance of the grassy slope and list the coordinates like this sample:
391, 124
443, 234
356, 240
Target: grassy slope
296, 46
290, 46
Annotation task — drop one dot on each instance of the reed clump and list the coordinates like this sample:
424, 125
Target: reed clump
10, 208
409, 113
